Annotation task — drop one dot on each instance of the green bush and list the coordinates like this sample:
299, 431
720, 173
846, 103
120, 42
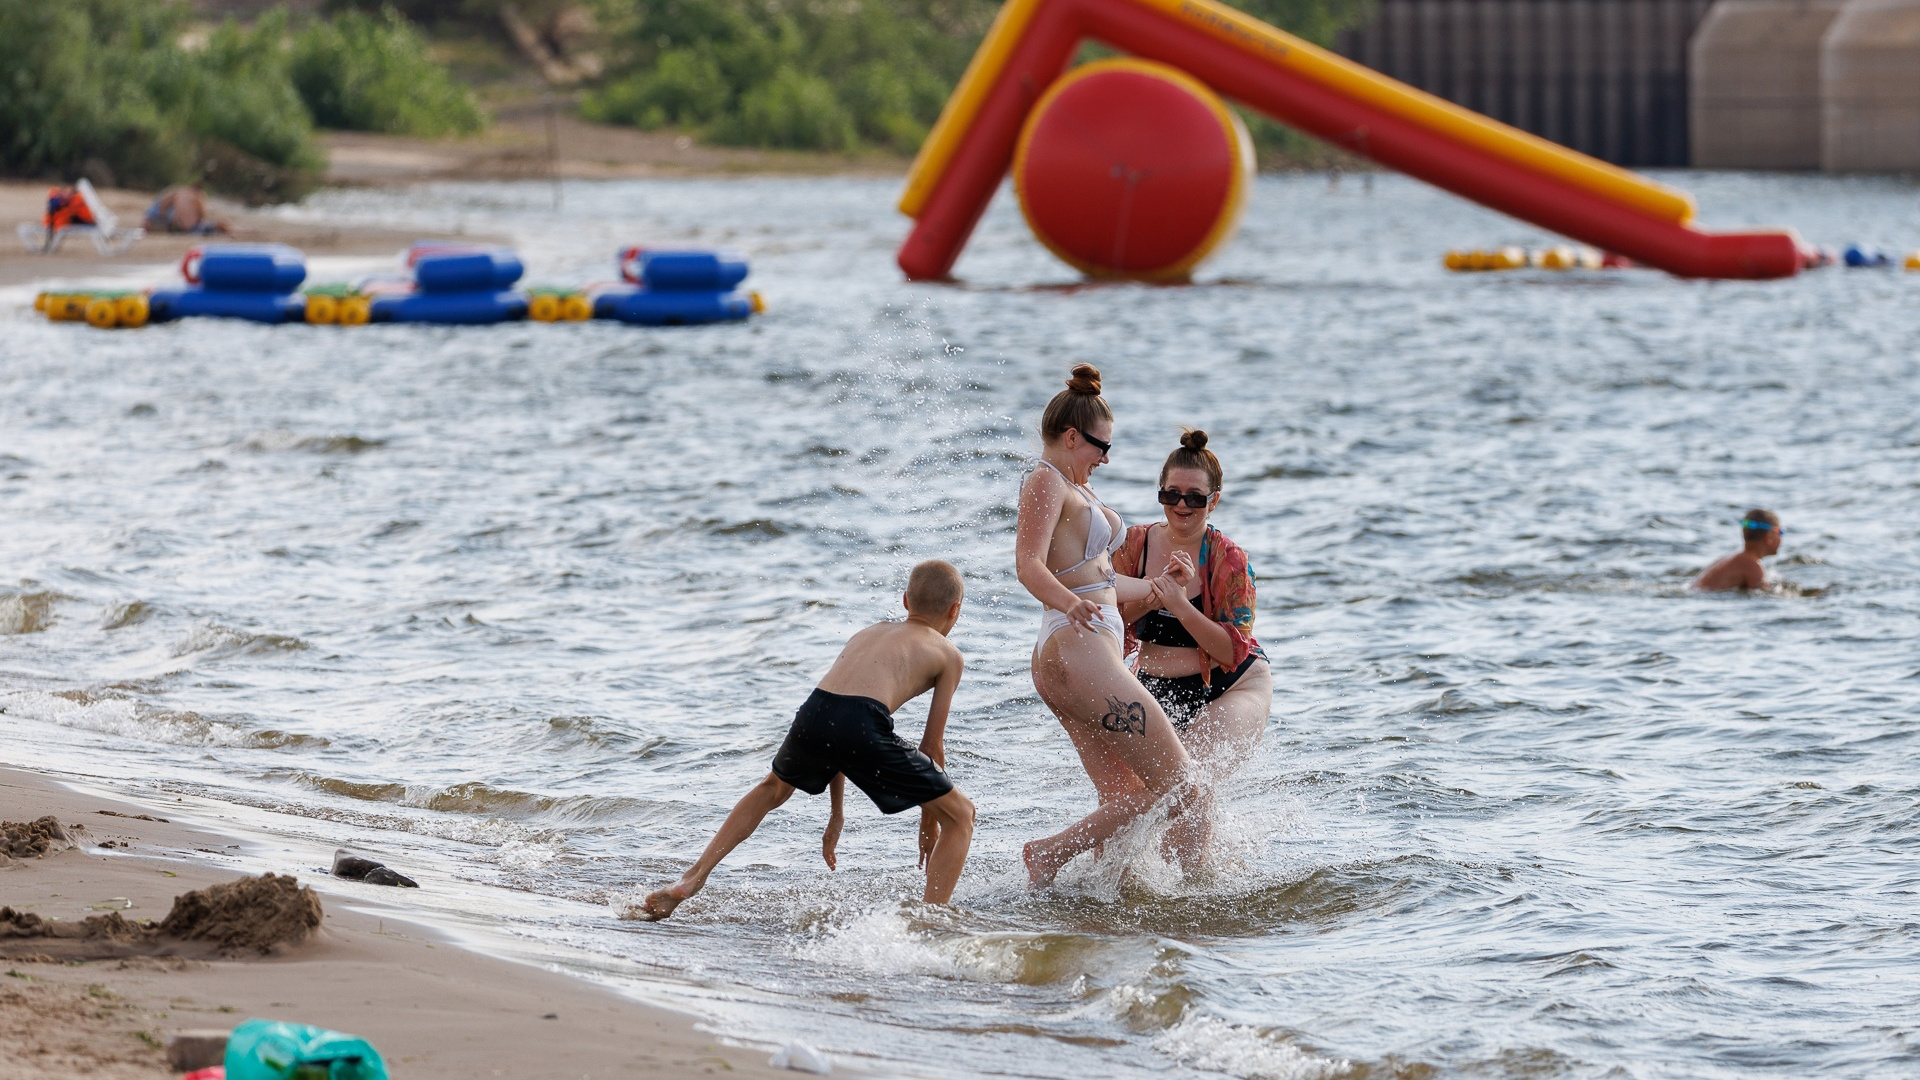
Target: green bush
822, 74
104, 87
361, 72
792, 109
101, 86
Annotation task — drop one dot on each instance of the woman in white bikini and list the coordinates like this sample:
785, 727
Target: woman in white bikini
1062, 553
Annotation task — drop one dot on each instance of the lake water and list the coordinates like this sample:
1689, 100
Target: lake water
523, 609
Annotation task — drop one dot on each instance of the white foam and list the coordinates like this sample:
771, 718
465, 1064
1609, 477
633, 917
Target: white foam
1213, 1045
531, 853
123, 718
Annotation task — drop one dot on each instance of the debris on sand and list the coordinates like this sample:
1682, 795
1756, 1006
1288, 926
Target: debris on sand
32, 839
132, 817
249, 915
357, 868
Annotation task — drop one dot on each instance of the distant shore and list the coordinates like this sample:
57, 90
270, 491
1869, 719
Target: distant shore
432, 1009
517, 147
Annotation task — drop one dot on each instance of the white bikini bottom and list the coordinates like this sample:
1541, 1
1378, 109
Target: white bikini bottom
1051, 621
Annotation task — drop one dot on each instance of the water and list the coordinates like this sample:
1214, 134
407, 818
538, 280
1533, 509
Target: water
526, 608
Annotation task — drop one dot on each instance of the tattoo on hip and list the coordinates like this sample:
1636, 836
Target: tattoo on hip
1125, 717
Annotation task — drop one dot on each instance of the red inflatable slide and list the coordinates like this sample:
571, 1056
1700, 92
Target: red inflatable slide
1310, 89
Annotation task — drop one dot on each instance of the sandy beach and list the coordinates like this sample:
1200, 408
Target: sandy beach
432, 1008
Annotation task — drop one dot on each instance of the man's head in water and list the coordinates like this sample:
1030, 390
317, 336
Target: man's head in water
1760, 530
934, 593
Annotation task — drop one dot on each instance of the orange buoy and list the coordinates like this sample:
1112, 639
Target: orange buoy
1132, 169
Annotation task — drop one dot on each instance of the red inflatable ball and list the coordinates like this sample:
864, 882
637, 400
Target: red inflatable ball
1131, 169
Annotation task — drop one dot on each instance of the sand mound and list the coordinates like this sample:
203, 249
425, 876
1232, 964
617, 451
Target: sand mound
32, 839
252, 913
249, 915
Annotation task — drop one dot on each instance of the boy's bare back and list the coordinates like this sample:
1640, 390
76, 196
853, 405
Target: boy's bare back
893, 663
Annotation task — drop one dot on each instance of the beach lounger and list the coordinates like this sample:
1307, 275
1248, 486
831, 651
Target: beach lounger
107, 235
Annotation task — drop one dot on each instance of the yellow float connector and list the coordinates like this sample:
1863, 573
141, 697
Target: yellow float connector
544, 307
1456, 260
758, 302
322, 310
577, 307
355, 311
1558, 257
40, 302
131, 310
1913, 261
102, 313
67, 307
1508, 258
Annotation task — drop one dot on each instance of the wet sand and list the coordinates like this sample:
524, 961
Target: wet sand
433, 1009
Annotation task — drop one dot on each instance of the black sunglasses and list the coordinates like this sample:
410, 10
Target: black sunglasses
1171, 497
1104, 447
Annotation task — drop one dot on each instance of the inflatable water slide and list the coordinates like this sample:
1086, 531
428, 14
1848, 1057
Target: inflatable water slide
992, 114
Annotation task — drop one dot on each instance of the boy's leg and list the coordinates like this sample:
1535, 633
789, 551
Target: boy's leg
746, 817
955, 813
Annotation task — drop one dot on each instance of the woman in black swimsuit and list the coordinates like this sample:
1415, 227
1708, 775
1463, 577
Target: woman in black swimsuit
1198, 657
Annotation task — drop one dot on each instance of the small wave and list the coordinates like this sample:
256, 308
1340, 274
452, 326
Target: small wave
755, 528
28, 613
908, 938
217, 642
473, 798
276, 441
138, 721
127, 614
1212, 1044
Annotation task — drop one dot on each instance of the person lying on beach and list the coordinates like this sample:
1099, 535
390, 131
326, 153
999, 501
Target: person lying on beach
845, 729
1760, 534
182, 208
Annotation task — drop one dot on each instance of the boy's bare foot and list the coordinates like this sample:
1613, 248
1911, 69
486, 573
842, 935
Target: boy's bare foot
1042, 865
661, 902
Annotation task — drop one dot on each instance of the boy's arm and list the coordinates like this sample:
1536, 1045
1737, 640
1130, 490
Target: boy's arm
830, 840
933, 739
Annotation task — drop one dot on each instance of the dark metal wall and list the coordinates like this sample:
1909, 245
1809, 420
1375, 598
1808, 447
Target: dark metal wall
1606, 77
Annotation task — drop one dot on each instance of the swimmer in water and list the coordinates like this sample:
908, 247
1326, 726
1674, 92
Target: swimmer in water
845, 730
1760, 534
1063, 547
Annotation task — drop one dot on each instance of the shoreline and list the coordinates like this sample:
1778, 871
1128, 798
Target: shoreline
433, 1006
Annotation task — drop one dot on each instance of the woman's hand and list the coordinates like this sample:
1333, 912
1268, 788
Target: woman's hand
1172, 595
1180, 569
1084, 614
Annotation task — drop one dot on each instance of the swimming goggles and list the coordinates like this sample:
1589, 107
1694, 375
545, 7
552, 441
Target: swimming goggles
1171, 497
1761, 526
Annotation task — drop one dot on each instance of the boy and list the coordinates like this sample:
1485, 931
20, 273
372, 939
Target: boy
1760, 530
845, 730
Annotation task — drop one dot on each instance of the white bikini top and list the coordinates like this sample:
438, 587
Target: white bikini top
1104, 534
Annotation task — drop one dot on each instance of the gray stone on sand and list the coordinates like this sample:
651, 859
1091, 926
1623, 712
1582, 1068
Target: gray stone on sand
200, 1048
359, 868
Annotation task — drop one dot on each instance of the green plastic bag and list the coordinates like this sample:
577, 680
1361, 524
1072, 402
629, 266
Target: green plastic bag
276, 1050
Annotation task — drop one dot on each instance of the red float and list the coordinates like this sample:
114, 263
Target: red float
1131, 169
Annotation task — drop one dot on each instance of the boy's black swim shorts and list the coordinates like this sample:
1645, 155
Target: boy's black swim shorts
838, 733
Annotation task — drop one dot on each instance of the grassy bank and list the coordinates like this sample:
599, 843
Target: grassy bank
129, 92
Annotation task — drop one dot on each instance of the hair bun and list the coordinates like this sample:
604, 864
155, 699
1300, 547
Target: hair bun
1194, 440
1086, 379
